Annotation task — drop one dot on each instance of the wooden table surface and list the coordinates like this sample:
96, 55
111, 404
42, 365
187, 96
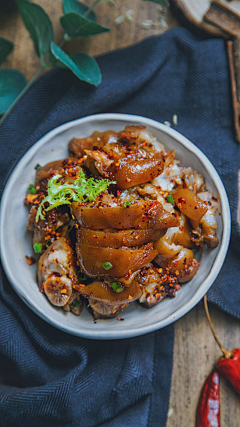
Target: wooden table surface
194, 349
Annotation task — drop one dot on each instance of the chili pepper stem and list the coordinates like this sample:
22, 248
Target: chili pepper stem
227, 354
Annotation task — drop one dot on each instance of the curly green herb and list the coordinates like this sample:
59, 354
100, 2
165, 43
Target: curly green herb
82, 190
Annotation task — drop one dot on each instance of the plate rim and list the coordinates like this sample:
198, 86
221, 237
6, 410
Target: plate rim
207, 283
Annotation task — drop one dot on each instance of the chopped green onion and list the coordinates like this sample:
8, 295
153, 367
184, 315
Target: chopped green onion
81, 276
37, 247
170, 199
31, 189
107, 265
38, 166
116, 287
75, 303
126, 204
48, 243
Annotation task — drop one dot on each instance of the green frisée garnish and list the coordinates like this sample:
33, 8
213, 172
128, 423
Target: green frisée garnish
81, 190
37, 247
116, 287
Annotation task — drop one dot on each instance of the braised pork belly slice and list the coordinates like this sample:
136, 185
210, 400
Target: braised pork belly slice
117, 238
77, 146
102, 292
100, 261
140, 215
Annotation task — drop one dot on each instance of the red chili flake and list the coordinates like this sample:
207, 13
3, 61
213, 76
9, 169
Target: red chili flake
30, 260
181, 228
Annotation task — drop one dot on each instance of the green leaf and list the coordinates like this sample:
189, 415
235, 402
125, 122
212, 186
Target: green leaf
82, 65
12, 83
5, 48
162, 2
76, 25
39, 26
89, 66
81, 190
78, 7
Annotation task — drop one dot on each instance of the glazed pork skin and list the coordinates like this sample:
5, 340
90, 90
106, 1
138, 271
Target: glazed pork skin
117, 238
140, 215
93, 259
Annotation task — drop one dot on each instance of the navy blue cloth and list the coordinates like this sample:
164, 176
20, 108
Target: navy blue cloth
46, 376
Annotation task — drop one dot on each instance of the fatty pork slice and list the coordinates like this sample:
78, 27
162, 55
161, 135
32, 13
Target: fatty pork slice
140, 215
118, 238
57, 272
99, 261
77, 146
102, 292
116, 145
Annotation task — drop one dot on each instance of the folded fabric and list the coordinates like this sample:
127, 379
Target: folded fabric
46, 376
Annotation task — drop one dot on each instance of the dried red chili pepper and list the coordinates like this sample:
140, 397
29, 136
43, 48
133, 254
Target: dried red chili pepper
208, 411
230, 368
229, 364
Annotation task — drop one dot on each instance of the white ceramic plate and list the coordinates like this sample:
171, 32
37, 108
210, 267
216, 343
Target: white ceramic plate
16, 241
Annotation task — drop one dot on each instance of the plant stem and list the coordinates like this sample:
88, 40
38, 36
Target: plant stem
21, 94
37, 74
91, 8
226, 353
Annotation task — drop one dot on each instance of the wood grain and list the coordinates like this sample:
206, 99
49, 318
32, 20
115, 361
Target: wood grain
222, 16
234, 69
195, 349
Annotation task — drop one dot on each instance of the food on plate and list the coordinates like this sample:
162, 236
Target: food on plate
118, 221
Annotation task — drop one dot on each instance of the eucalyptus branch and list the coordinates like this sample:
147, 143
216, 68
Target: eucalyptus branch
91, 8
75, 24
29, 84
